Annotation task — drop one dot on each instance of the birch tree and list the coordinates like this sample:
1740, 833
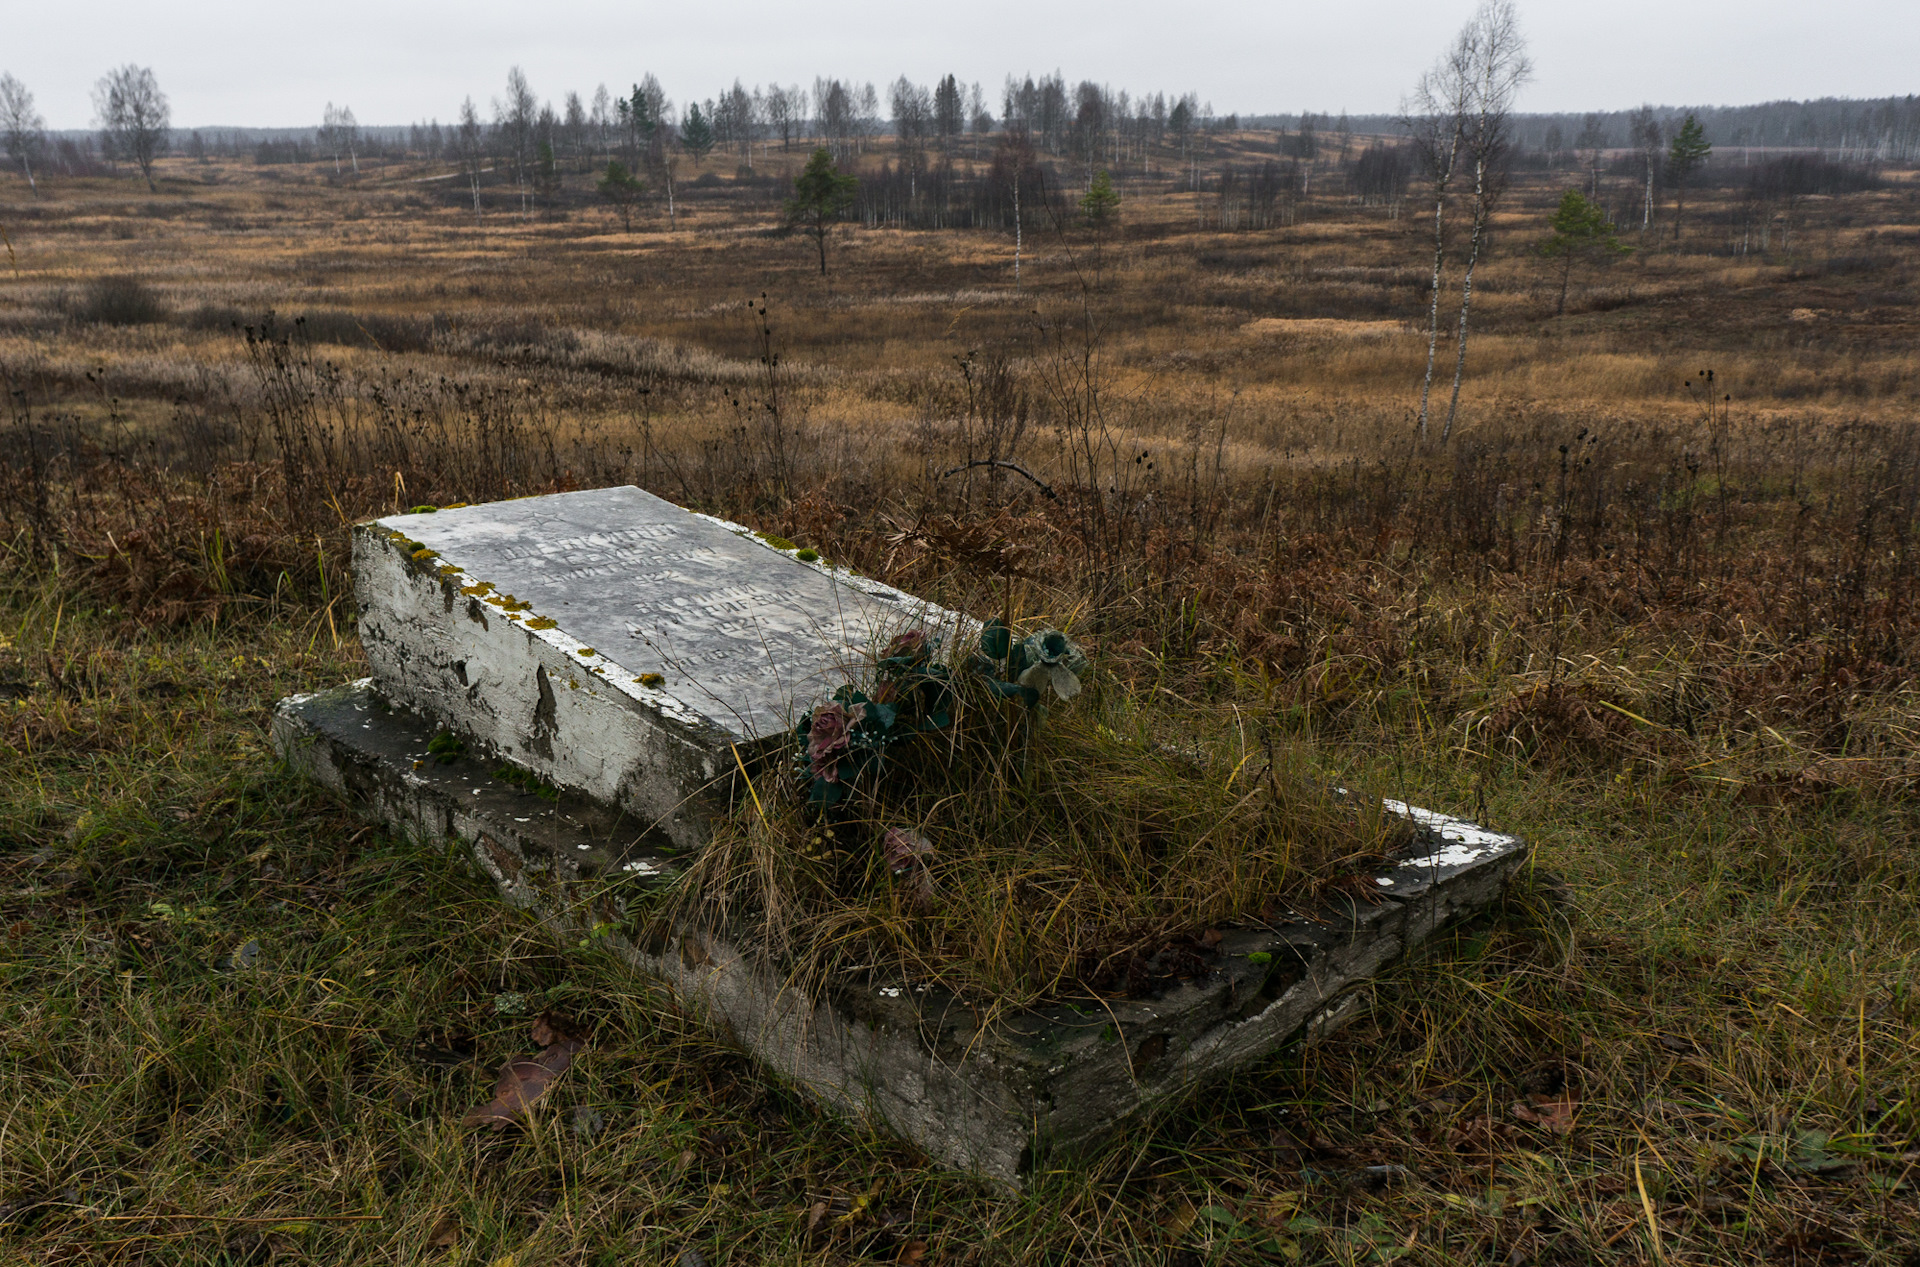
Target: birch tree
470, 142
1498, 67
1644, 128
133, 116
515, 118
1436, 116
21, 127
340, 132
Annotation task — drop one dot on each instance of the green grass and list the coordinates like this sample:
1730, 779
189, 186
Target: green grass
1729, 1002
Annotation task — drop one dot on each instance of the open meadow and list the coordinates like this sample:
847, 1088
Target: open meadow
1652, 606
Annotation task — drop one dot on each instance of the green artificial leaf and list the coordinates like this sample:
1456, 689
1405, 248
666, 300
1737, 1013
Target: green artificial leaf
1065, 684
996, 640
1035, 676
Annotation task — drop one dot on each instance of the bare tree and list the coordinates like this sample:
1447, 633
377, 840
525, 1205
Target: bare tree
514, 118
21, 126
833, 112
912, 110
1644, 127
1592, 144
600, 121
1499, 66
133, 116
1436, 115
781, 107
339, 131
981, 119
866, 115
470, 141
574, 128
733, 117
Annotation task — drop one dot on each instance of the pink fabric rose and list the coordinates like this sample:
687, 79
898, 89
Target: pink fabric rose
828, 739
912, 643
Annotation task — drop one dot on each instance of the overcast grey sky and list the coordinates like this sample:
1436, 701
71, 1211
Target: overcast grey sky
396, 61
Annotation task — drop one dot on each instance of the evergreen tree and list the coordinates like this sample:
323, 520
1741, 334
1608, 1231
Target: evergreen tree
1687, 153
620, 188
820, 195
1580, 228
696, 134
1100, 205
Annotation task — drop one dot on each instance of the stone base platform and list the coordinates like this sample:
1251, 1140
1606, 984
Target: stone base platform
991, 1098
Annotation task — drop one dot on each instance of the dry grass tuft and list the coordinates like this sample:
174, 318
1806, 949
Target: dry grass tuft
1067, 851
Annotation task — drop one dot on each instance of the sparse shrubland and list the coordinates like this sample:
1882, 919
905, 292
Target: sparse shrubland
1666, 635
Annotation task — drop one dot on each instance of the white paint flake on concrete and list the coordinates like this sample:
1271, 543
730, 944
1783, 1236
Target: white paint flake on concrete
1466, 841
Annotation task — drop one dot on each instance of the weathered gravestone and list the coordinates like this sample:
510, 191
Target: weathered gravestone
568, 684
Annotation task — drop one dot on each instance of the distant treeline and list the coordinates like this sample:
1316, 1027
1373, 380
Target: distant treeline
952, 161
1092, 119
1881, 129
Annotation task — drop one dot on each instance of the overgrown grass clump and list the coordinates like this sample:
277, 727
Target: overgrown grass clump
1027, 846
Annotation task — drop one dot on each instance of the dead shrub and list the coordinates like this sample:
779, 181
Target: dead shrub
119, 299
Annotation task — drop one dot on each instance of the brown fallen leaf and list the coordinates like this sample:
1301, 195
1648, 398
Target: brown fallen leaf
520, 1083
1555, 1115
913, 1252
446, 1232
549, 1029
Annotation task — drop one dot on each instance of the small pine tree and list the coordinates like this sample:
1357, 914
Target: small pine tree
820, 194
696, 134
1580, 227
620, 188
1100, 205
546, 176
1687, 153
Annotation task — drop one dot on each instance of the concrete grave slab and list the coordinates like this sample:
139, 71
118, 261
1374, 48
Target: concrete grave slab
613, 656
613, 643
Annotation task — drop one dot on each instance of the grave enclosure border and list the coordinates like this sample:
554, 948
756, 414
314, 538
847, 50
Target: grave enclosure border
626, 807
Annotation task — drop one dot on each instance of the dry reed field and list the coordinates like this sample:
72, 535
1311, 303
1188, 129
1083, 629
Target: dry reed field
1652, 607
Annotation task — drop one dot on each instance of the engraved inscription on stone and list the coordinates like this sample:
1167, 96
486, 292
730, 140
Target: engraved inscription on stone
743, 634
